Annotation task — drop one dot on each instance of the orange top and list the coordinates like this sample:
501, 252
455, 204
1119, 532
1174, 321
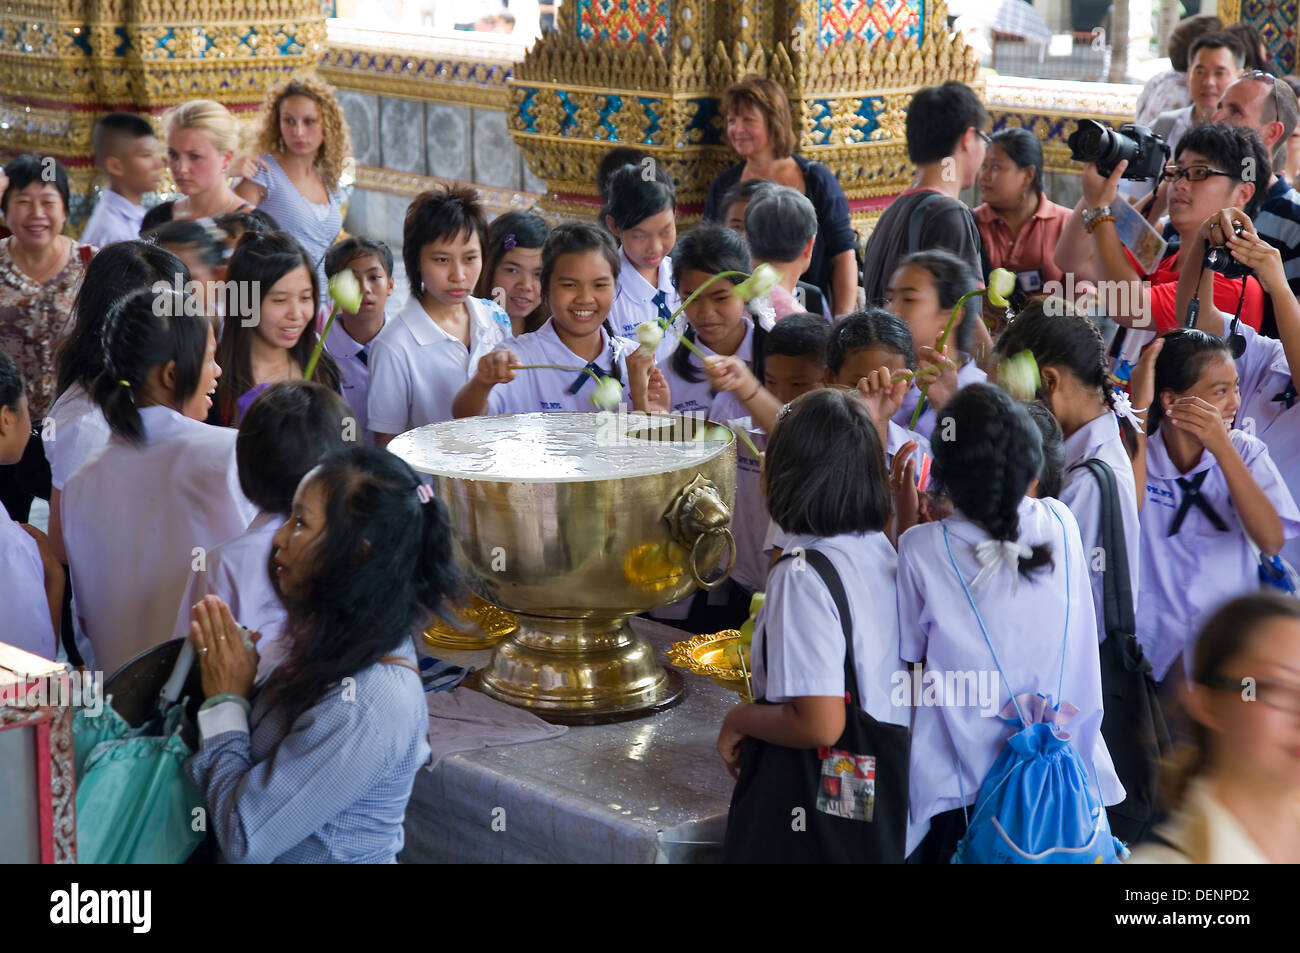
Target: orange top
1032, 247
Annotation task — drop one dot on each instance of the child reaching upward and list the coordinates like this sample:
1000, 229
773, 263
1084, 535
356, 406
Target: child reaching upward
923, 291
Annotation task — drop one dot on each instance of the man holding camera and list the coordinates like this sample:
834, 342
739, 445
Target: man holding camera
1215, 167
1266, 104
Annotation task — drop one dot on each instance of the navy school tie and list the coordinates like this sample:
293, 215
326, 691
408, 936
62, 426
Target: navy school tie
584, 377
661, 302
1287, 396
1192, 496
363, 357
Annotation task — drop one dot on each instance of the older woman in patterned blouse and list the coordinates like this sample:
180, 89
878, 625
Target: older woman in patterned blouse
40, 272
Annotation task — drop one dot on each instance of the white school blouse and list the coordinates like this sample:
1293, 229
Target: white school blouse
688, 397
353, 361
26, 611
1026, 618
799, 628
1187, 576
132, 519
634, 302
1100, 438
237, 571
969, 373
1270, 411
78, 431
546, 389
417, 368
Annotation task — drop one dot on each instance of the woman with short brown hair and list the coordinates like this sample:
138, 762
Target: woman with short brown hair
761, 131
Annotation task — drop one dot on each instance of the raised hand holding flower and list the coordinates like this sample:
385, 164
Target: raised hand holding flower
345, 292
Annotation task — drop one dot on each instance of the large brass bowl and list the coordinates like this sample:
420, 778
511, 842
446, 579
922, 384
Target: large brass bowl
575, 522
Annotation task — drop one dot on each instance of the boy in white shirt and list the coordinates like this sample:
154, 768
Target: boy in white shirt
350, 338
127, 152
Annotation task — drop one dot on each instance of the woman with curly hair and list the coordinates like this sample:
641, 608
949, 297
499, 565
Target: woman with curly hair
303, 143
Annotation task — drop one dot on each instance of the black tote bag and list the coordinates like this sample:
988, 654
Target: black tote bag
1133, 724
846, 803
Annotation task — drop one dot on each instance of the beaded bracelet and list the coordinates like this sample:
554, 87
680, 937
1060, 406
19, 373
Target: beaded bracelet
1097, 221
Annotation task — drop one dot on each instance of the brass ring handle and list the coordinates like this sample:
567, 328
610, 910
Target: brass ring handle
731, 559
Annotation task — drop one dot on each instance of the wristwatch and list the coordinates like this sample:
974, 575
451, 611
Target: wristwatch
1091, 215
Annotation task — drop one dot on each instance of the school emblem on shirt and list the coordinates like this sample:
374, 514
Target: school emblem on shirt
848, 788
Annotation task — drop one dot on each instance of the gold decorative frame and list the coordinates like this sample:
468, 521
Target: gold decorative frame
454, 80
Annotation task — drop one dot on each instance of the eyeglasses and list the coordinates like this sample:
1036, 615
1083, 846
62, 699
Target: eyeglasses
988, 140
1282, 696
1197, 173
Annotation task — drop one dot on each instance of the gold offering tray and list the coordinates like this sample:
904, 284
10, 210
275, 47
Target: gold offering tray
714, 655
485, 626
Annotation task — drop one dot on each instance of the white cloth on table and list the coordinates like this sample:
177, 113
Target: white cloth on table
465, 720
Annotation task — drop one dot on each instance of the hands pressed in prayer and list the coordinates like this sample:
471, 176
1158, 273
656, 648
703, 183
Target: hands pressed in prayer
227, 666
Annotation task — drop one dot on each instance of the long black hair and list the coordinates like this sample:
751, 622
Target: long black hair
1179, 365
260, 260
508, 231
119, 268
1023, 148
1057, 337
381, 569
711, 247
994, 453
143, 330
11, 383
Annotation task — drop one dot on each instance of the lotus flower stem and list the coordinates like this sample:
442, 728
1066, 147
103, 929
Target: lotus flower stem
320, 345
943, 339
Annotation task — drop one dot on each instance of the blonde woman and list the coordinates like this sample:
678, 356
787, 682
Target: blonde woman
303, 143
202, 138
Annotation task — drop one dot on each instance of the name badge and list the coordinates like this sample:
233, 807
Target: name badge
1030, 281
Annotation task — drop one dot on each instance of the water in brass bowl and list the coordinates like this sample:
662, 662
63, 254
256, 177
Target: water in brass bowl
482, 625
715, 655
576, 521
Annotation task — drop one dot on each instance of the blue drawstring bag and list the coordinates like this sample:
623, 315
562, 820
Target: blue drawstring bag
1035, 805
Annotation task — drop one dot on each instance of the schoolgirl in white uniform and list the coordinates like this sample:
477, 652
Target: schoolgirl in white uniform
826, 488
923, 291
29, 615
1075, 385
162, 492
1210, 492
351, 338
286, 431
427, 353
78, 428
1024, 566
718, 322
640, 212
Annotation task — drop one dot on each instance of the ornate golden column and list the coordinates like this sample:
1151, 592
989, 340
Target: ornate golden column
64, 63
649, 74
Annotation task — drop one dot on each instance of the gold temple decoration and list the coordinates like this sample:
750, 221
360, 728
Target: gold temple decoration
65, 63
654, 84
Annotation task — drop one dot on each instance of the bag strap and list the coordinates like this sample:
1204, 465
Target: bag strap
1117, 586
918, 221
947, 542
822, 565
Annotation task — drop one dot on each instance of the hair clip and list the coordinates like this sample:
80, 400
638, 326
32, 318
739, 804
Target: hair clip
424, 493
125, 383
509, 241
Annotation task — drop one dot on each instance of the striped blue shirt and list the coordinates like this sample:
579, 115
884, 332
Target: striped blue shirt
313, 226
1278, 223
331, 787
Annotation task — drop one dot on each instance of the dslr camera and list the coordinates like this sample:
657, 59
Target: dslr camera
1096, 142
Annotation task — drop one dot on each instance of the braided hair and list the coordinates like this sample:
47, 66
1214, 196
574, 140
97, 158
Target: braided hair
994, 453
145, 329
